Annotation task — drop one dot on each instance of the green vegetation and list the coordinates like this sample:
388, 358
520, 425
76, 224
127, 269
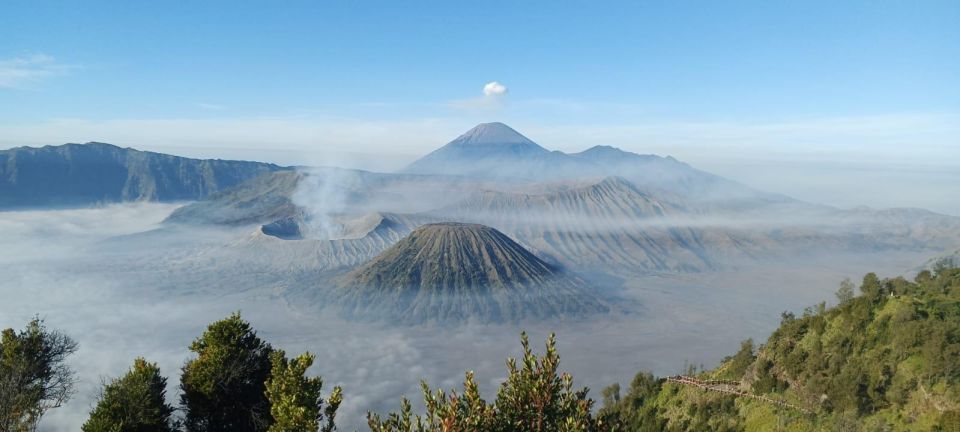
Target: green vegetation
888, 360
295, 400
34, 376
535, 398
237, 382
135, 403
224, 386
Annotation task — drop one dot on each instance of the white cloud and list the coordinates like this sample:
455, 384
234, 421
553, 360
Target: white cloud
27, 71
494, 89
493, 93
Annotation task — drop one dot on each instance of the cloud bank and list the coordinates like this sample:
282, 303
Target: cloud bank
150, 294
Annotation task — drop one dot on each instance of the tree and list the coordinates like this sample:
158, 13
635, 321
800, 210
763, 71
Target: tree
534, 398
944, 264
34, 375
135, 402
845, 293
871, 287
738, 364
224, 386
634, 411
295, 401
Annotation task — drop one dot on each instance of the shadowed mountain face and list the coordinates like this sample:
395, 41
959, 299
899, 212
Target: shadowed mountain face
455, 272
267, 197
97, 173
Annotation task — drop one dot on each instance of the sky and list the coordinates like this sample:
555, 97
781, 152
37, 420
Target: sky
843, 103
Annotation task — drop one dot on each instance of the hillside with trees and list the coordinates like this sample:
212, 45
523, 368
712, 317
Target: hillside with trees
886, 360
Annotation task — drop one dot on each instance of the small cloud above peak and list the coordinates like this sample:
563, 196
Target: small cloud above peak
492, 99
494, 89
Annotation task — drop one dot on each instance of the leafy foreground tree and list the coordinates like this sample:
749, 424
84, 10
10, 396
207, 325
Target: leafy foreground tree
135, 402
295, 401
534, 398
34, 376
224, 386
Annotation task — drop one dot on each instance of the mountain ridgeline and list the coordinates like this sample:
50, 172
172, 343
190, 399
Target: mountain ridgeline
602, 214
456, 272
98, 173
349, 237
495, 151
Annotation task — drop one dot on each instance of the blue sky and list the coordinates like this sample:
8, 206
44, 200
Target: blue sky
715, 83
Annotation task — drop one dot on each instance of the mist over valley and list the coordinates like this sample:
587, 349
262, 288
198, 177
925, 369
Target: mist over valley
637, 262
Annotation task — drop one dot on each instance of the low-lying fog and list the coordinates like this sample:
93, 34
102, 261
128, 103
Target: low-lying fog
119, 302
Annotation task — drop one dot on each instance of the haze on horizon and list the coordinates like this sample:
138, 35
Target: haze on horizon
864, 110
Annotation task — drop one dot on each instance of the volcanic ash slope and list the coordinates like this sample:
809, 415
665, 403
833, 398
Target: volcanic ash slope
461, 272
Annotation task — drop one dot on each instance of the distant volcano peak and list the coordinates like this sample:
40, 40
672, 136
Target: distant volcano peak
492, 133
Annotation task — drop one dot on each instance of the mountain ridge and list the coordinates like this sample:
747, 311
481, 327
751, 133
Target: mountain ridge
99, 173
494, 151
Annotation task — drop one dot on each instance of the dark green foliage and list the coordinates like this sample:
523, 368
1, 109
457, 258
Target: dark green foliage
765, 381
135, 402
34, 376
738, 364
636, 410
534, 398
224, 386
870, 287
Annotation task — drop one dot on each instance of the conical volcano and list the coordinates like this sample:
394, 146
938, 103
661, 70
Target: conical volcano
495, 133
462, 272
488, 150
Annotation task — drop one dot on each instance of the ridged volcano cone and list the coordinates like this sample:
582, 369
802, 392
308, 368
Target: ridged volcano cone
458, 272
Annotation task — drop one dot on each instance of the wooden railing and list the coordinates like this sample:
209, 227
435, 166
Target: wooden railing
731, 388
